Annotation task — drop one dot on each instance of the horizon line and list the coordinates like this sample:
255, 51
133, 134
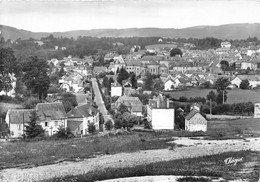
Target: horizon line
127, 28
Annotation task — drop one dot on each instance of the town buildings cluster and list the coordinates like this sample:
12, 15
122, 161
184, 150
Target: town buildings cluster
191, 69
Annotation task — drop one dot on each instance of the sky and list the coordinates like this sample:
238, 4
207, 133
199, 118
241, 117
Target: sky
66, 15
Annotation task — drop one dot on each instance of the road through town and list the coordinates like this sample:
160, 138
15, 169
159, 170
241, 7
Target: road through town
99, 101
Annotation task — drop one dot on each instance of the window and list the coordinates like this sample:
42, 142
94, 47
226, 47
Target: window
19, 127
46, 123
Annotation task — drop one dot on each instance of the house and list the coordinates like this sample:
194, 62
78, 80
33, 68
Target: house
52, 116
254, 80
236, 81
160, 113
173, 83
195, 106
17, 120
80, 117
194, 121
168, 85
225, 44
116, 90
134, 104
257, 110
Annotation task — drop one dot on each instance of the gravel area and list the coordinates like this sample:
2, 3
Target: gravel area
190, 149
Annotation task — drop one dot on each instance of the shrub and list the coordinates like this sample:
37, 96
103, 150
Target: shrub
91, 128
64, 133
147, 124
109, 125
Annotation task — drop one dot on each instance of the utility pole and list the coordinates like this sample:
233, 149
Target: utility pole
210, 109
23, 125
223, 97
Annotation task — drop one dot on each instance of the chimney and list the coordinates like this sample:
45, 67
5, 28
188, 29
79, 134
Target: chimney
158, 103
168, 103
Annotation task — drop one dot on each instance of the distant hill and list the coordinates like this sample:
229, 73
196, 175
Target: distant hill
229, 31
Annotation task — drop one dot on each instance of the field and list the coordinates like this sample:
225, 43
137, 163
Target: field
50, 151
210, 167
234, 96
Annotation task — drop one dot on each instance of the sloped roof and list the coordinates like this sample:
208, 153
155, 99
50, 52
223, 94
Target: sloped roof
53, 110
19, 116
135, 102
191, 114
99, 69
82, 111
249, 77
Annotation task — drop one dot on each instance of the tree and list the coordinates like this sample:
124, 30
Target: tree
221, 86
211, 96
33, 129
148, 81
175, 51
133, 81
244, 84
69, 100
31, 103
224, 65
122, 75
105, 82
220, 99
158, 85
8, 66
62, 71
109, 125
35, 76
122, 109
91, 128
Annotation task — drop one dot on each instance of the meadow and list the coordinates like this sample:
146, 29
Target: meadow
210, 167
234, 96
26, 153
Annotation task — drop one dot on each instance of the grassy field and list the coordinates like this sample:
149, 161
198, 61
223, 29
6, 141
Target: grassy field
234, 96
233, 127
50, 151
210, 166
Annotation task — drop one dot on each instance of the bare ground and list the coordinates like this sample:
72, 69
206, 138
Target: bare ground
190, 149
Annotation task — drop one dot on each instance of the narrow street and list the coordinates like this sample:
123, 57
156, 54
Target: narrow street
99, 101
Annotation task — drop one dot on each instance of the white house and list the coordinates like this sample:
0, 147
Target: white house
160, 113
52, 116
168, 85
16, 120
116, 90
257, 110
225, 44
80, 117
171, 84
236, 81
194, 121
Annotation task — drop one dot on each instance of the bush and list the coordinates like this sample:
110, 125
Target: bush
183, 99
64, 133
109, 125
147, 124
91, 128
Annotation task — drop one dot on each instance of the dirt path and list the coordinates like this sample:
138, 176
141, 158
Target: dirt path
193, 149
